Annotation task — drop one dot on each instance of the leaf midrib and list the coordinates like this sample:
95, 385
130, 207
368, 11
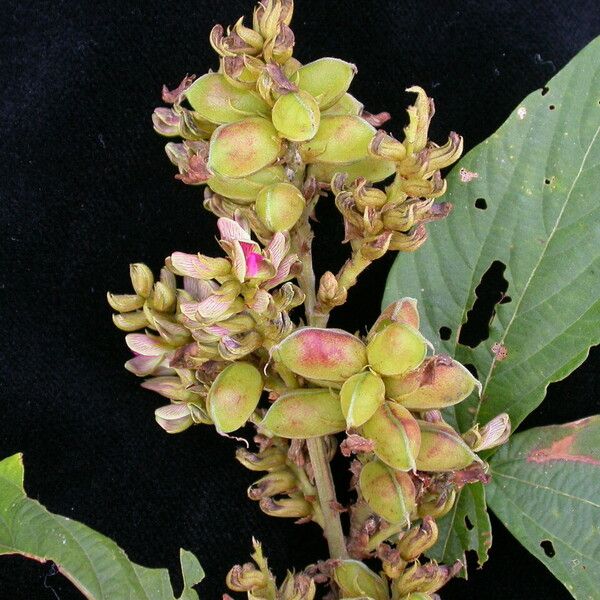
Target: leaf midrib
534, 271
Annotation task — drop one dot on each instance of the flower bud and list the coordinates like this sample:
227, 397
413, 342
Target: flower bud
173, 418
163, 298
326, 80
234, 395
124, 302
427, 578
296, 116
267, 460
494, 434
295, 507
340, 139
244, 578
369, 197
390, 494
141, 279
245, 189
170, 387
418, 540
442, 449
330, 293
198, 266
217, 101
442, 382
396, 435
419, 118
131, 321
355, 580
376, 247
436, 506
277, 482
244, 147
279, 206
360, 396
385, 146
396, 349
305, 413
298, 587
324, 354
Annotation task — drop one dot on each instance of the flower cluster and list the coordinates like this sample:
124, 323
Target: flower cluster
217, 337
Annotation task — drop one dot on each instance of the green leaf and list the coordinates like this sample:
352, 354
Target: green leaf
538, 175
546, 489
474, 532
92, 562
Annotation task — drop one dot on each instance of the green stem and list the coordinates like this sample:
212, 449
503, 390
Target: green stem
332, 526
301, 237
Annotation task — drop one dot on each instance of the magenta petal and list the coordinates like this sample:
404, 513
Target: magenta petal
253, 259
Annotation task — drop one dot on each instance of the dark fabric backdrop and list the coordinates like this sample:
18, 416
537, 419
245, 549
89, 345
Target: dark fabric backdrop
86, 189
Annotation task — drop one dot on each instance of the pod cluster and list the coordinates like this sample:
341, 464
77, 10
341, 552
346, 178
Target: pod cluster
264, 125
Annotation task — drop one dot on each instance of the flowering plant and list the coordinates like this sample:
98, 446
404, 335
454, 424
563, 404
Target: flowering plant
241, 343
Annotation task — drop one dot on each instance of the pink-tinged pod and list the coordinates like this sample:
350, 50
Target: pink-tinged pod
326, 79
396, 349
402, 311
390, 494
356, 580
217, 101
442, 449
396, 435
340, 139
242, 148
360, 396
305, 413
234, 395
442, 382
325, 354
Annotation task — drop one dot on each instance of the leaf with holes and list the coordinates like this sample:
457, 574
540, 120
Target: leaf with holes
475, 532
546, 489
531, 216
92, 562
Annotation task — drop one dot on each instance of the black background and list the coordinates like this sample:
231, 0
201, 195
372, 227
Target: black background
86, 189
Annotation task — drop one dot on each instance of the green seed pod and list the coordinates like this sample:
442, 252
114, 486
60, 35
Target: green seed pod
279, 206
217, 101
442, 449
234, 395
346, 105
326, 354
396, 349
296, 116
372, 169
173, 418
396, 387
390, 494
357, 580
396, 435
402, 311
305, 413
361, 396
326, 79
442, 382
242, 148
340, 139
246, 188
